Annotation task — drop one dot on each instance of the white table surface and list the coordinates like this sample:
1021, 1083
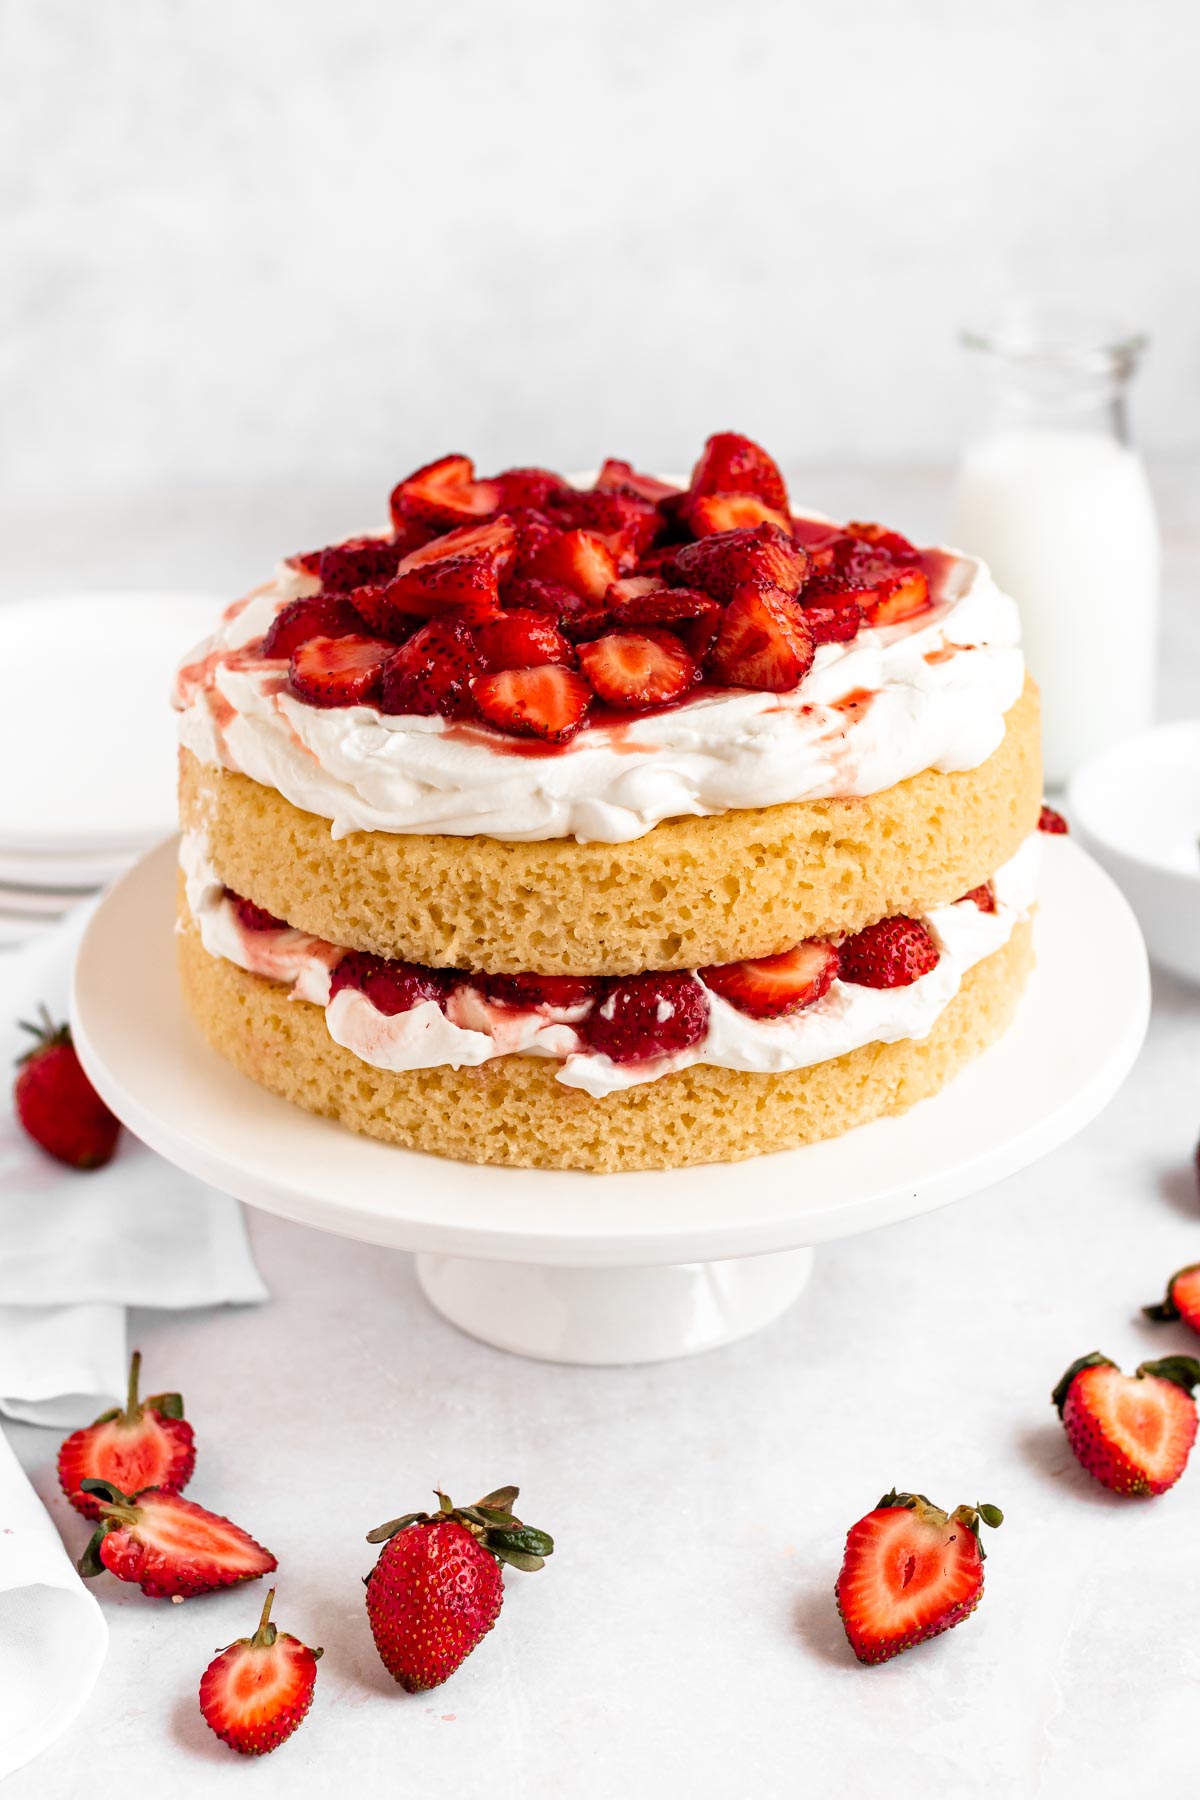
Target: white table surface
683, 1639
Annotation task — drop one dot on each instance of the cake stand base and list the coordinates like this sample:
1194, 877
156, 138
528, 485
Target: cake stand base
605, 1316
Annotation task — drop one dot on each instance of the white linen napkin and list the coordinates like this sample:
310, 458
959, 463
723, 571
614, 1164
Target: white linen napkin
53, 1636
77, 1249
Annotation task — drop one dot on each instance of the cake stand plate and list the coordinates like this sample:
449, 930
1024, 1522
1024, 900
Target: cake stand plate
615, 1268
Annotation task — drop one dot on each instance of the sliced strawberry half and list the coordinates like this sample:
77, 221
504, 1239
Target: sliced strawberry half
531, 487
538, 990
343, 567
432, 673
895, 952
762, 642
146, 1444
712, 513
168, 1546
692, 616
622, 478
1052, 822
520, 638
643, 1016
445, 492
897, 597
258, 1690
625, 524
768, 987
910, 1571
733, 464
548, 702
299, 620
729, 560
890, 543
633, 670
341, 671
253, 918
1134, 1433
983, 896
1182, 1299
390, 985
834, 617
465, 565
579, 560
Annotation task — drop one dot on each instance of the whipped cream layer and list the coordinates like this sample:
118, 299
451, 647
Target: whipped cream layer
472, 1029
929, 693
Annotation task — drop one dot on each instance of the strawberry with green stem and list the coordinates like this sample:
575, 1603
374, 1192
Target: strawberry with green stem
148, 1444
1133, 1433
258, 1690
1182, 1298
910, 1572
57, 1104
168, 1546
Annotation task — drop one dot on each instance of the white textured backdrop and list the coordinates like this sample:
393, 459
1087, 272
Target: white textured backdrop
291, 240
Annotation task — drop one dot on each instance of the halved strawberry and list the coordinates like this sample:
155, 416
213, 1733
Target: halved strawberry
762, 642
1052, 822
168, 1546
833, 617
530, 487
520, 638
643, 1016
445, 492
299, 620
257, 1691
547, 702
633, 587
579, 559
894, 952
1182, 1300
897, 597
891, 543
729, 560
357, 562
910, 1571
637, 669
148, 1444
533, 530
710, 513
768, 987
983, 896
733, 464
465, 565
390, 985
341, 671
625, 524
1134, 1433
692, 616
432, 672
621, 478
254, 918
538, 990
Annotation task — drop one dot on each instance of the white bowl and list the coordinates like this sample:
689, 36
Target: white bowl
1136, 807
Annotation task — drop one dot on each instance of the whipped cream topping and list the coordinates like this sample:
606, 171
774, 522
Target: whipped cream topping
928, 693
473, 1029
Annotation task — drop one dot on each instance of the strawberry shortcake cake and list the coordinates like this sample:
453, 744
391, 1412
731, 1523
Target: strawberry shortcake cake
611, 826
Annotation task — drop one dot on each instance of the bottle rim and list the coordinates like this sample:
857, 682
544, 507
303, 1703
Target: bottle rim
1057, 333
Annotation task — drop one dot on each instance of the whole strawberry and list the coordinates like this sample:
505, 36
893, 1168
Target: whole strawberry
148, 1445
910, 1572
170, 1547
255, 1693
57, 1104
1134, 1433
1182, 1299
436, 1589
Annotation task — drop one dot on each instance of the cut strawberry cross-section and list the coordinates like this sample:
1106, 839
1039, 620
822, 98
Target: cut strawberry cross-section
168, 1546
299, 620
149, 1443
538, 990
763, 642
1182, 1299
445, 492
464, 566
712, 513
390, 985
692, 616
520, 638
632, 669
257, 1691
833, 618
896, 597
547, 702
1134, 1433
733, 464
729, 560
769, 987
341, 671
621, 478
578, 559
432, 673
910, 1572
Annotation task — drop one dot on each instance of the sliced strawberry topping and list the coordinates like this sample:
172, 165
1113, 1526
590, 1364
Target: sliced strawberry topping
1052, 822
520, 638
465, 565
733, 464
640, 1016
254, 918
357, 562
983, 897
391, 986
579, 560
445, 493
833, 618
692, 616
342, 671
626, 524
538, 990
910, 1571
891, 543
893, 953
621, 478
770, 986
299, 620
527, 593
897, 597
763, 642
547, 702
432, 672
729, 560
530, 487
636, 669
732, 512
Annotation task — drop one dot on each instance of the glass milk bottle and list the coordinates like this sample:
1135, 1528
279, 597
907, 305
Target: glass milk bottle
1055, 500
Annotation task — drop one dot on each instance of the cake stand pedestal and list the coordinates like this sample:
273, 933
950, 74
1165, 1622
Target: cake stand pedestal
631, 1267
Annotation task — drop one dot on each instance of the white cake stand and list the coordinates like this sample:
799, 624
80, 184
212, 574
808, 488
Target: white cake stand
615, 1268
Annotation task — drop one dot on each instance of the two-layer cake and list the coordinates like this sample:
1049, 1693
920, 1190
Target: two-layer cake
626, 826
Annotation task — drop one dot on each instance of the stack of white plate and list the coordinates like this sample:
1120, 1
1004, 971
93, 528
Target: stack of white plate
86, 742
